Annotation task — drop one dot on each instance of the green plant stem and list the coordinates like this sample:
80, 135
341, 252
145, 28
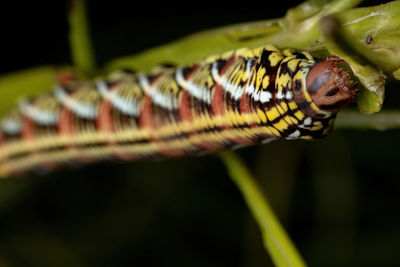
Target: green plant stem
79, 37
276, 241
384, 120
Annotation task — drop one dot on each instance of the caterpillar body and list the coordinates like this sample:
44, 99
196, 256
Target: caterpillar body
243, 97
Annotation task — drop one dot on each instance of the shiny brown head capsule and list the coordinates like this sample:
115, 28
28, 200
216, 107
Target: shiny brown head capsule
329, 86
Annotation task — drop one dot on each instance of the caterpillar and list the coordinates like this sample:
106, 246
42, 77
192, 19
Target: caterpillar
243, 97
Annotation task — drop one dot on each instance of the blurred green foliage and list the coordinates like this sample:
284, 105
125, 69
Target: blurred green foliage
25, 83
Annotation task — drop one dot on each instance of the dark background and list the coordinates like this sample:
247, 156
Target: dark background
338, 197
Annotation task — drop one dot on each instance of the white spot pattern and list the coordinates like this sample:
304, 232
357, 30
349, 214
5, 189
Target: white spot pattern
164, 100
11, 126
236, 91
83, 110
127, 106
295, 134
307, 121
196, 91
41, 117
265, 96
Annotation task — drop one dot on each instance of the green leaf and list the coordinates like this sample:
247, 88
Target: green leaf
368, 102
276, 241
396, 74
27, 83
298, 29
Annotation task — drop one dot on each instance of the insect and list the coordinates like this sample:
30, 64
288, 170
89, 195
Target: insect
243, 97
368, 40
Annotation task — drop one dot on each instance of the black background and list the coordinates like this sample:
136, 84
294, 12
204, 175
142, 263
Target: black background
186, 212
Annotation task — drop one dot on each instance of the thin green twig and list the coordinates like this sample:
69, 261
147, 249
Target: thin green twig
79, 37
384, 120
276, 240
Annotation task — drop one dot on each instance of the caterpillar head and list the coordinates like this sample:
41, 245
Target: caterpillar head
330, 86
